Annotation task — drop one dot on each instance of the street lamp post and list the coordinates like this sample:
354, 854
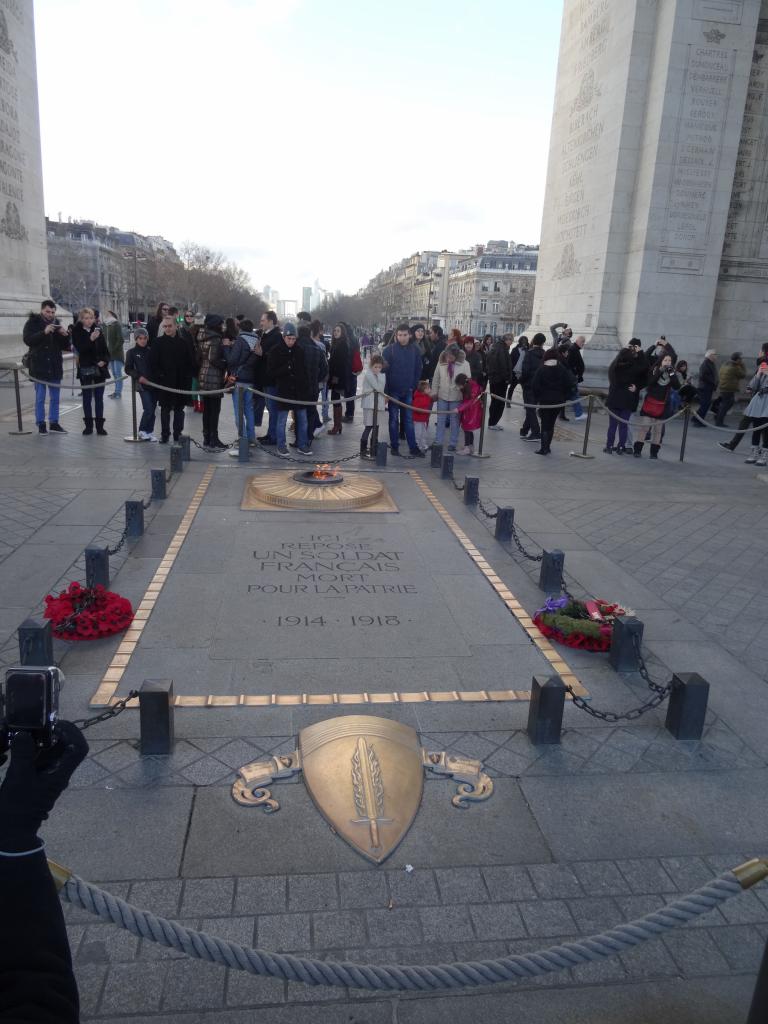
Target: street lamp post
135, 257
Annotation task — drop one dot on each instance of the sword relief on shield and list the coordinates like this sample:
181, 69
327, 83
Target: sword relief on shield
368, 789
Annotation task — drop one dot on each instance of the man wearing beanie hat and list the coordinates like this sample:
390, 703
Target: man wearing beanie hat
211, 377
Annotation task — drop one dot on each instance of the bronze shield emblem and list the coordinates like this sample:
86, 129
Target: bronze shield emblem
366, 777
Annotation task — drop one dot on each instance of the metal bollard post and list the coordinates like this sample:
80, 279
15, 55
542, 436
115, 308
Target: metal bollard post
551, 574
627, 637
505, 521
381, 453
134, 518
545, 712
484, 402
686, 424
134, 438
186, 447
583, 453
156, 716
177, 460
446, 467
36, 642
471, 490
158, 484
758, 1010
97, 567
436, 456
687, 706
20, 426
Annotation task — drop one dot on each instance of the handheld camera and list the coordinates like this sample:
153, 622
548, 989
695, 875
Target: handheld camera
29, 702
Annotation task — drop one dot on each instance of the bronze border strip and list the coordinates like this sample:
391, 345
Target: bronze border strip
555, 659
105, 694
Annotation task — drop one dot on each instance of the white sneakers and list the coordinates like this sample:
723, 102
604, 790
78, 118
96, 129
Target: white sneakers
144, 436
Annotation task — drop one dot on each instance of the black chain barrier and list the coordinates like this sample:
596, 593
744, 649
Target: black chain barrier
660, 694
521, 549
485, 511
117, 707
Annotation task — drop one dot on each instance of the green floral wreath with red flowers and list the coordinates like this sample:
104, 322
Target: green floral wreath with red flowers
87, 613
585, 625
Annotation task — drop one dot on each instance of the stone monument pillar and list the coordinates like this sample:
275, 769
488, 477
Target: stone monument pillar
23, 250
657, 186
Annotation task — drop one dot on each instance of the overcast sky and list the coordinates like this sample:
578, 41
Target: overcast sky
303, 138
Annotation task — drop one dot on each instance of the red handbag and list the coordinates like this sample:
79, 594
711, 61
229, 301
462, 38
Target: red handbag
357, 362
653, 407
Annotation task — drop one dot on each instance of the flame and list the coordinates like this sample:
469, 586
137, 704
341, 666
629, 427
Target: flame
324, 471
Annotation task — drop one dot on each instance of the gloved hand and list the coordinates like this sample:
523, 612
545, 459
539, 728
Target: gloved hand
33, 783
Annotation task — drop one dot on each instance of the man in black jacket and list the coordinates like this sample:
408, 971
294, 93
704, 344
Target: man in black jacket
36, 978
317, 372
173, 363
708, 381
270, 337
498, 366
530, 430
46, 340
574, 361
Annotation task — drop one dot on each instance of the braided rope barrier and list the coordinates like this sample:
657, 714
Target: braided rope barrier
402, 977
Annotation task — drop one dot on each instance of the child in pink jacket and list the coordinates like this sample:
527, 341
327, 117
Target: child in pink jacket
470, 411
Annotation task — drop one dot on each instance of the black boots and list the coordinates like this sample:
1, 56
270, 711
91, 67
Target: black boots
100, 427
637, 449
546, 440
655, 451
88, 421
364, 453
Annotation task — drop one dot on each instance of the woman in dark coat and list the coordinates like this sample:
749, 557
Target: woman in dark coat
92, 368
339, 365
210, 355
552, 385
627, 375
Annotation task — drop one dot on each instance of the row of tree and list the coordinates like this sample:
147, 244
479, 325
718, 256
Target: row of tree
204, 280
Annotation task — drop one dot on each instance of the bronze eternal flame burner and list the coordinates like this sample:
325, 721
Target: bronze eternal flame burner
322, 489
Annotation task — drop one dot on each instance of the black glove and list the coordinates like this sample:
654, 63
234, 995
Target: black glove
33, 783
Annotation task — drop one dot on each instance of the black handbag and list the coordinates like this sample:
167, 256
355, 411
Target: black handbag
90, 374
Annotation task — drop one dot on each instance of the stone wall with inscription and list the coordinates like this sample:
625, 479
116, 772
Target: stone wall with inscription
23, 254
632, 238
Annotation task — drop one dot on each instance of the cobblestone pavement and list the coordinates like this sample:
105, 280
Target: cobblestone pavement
681, 544
422, 917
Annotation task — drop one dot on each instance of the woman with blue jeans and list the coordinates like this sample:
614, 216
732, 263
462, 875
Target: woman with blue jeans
450, 365
92, 368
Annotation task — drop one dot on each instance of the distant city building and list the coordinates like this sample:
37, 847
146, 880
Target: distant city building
306, 299
286, 309
487, 289
94, 265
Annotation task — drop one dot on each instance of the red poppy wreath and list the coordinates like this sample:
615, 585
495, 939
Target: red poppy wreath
585, 625
87, 613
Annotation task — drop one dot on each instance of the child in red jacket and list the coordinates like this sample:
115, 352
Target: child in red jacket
470, 411
422, 400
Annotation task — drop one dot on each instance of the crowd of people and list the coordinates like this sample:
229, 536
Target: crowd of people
417, 382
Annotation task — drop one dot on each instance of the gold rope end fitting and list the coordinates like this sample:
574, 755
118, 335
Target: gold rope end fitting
60, 874
752, 872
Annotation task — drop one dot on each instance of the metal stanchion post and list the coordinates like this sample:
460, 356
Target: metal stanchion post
484, 402
583, 453
17, 390
758, 1011
373, 449
686, 422
135, 437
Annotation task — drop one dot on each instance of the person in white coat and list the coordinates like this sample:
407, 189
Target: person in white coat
374, 383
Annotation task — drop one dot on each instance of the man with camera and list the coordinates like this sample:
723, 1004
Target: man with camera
46, 340
36, 978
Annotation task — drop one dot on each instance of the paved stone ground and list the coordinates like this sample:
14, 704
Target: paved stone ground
612, 824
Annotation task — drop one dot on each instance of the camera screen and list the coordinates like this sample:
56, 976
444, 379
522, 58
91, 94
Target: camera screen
25, 699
